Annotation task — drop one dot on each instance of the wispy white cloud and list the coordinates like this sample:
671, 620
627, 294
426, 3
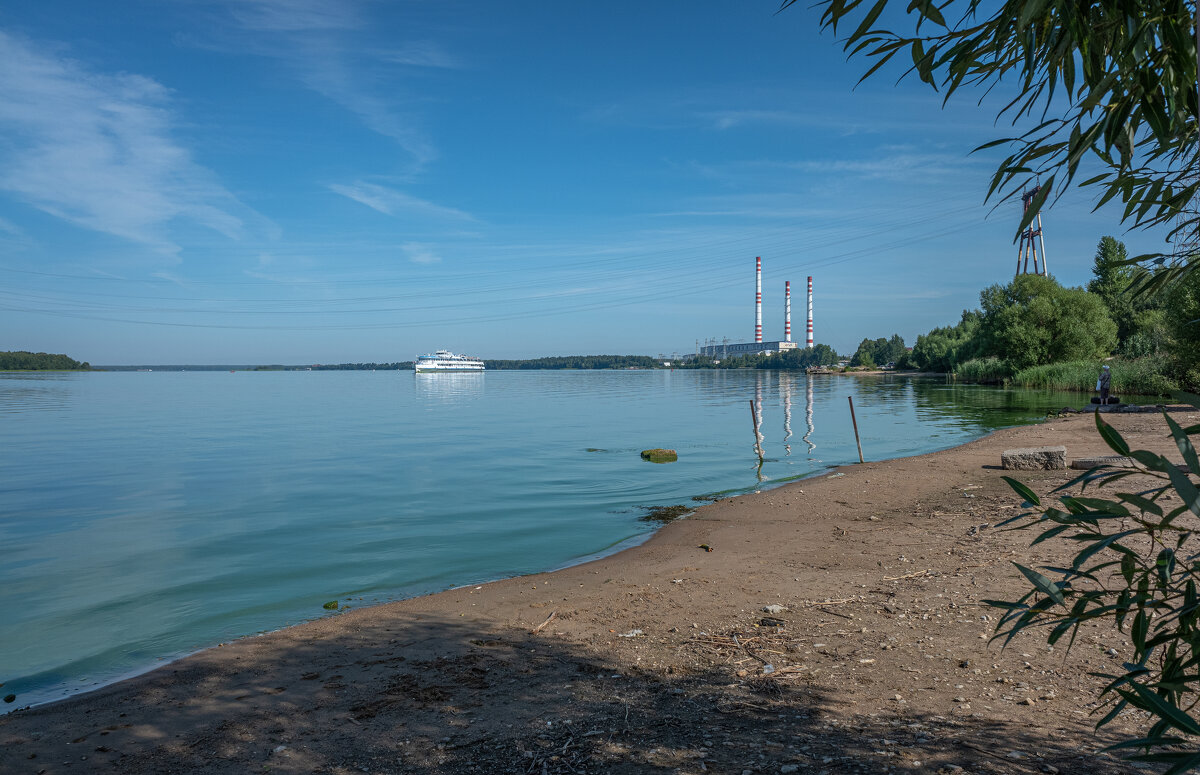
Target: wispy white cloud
910, 165
98, 150
170, 277
420, 253
327, 45
728, 119
392, 202
295, 15
898, 164
425, 53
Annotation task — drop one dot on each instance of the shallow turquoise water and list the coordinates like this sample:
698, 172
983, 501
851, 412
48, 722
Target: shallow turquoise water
147, 515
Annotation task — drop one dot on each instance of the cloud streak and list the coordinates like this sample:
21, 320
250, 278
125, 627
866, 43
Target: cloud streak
420, 253
97, 150
326, 45
396, 203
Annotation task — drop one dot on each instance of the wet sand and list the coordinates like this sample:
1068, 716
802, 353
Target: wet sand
655, 660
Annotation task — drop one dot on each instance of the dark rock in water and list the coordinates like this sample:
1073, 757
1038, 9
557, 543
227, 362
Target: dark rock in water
659, 455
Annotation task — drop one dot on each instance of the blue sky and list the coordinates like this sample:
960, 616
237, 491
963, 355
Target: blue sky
298, 181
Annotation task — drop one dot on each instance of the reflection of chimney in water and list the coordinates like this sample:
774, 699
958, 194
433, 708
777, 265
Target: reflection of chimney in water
808, 413
785, 385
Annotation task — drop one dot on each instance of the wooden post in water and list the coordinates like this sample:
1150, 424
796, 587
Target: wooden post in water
754, 419
856, 441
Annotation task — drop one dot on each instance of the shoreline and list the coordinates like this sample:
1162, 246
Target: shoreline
415, 685
617, 548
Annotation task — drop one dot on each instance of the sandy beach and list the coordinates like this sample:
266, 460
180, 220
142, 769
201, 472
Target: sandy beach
655, 660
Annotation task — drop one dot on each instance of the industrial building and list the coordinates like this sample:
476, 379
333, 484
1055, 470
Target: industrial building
727, 348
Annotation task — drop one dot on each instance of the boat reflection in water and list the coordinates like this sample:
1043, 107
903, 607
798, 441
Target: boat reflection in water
448, 387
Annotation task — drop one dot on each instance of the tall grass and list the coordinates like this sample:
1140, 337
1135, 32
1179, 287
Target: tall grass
985, 371
1145, 376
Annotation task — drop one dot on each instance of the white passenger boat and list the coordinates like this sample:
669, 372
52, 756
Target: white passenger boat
444, 360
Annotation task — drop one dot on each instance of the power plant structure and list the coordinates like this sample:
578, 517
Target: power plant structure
726, 348
1028, 248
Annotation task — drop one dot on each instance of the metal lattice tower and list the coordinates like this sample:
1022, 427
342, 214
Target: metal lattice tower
1027, 248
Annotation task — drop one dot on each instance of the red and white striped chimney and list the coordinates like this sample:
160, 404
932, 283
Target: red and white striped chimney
758, 299
809, 341
787, 311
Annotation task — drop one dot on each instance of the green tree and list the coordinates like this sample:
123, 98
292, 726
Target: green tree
1150, 334
1033, 321
865, 354
1112, 276
23, 360
1141, 331
1182, 318
878, 352
896, 349
1109, 80
944, 348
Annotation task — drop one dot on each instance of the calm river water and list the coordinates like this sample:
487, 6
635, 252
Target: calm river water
147, 515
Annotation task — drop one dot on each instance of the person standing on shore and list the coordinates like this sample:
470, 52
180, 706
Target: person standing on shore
1104, 383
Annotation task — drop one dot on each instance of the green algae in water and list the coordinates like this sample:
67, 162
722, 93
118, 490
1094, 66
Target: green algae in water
665, 513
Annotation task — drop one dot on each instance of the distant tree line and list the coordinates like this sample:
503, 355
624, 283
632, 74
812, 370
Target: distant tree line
339, 367
577, 362
789, 360
22, 360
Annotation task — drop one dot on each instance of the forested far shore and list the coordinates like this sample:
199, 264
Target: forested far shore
577, 362
22, 360
590, 362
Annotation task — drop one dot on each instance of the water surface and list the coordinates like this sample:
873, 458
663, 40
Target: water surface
147, 515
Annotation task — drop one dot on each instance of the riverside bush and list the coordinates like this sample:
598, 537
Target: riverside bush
985, 371
1136, 566
1145, 376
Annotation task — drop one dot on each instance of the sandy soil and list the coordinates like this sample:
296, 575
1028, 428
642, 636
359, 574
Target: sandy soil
654, 660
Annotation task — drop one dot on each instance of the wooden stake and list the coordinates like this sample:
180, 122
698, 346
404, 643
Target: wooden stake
757, 446
856, 441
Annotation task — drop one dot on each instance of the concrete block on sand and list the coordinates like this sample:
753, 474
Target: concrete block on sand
1034, 459
1112, 461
